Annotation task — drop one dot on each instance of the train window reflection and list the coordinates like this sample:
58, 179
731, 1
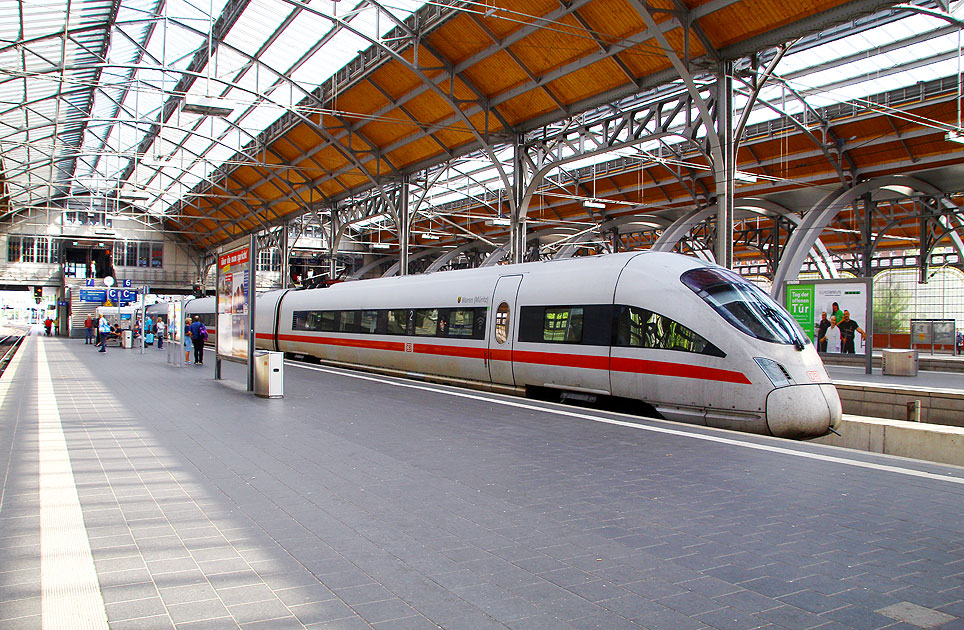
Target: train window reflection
563, 324
502, 323
640, 328
460, 322
744, 305
397, 322
426, 322
369, 322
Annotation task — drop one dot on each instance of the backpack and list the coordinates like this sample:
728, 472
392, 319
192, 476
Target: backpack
203, 332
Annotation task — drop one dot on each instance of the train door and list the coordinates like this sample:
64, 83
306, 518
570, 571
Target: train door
503, 322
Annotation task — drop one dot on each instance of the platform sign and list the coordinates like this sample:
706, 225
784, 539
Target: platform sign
121, 295
93, 295
232, 304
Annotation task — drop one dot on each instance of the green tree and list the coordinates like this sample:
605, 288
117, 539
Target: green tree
890, 310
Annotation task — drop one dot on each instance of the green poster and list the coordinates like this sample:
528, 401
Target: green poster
800, 305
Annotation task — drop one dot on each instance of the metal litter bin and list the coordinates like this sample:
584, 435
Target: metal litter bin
269, 374
899, 362
127, 339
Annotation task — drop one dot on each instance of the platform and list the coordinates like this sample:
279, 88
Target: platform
362, 501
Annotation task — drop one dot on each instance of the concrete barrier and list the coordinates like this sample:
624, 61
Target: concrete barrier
929, 442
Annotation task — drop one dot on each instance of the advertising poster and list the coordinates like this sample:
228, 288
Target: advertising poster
845, 306
175, 328
233, 286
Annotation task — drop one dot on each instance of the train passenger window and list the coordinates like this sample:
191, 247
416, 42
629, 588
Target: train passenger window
562, 324
460, 322
426, 322
369, 322
397, 322
348, 321
328, 321
502, 323
639, 328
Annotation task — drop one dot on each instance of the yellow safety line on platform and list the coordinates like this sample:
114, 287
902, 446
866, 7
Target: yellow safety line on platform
71, 597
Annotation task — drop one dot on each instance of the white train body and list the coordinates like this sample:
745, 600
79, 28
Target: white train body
695, 342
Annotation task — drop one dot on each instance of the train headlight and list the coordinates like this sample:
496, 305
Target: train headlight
777, 374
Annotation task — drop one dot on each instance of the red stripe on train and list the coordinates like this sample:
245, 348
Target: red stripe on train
588, 362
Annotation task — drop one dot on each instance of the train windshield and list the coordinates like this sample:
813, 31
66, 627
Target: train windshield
744, 305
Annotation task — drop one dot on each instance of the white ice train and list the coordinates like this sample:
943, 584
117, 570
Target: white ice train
693, 341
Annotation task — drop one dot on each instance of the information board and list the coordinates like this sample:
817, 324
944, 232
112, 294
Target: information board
232, 304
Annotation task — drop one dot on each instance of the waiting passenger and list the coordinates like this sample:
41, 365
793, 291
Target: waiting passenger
188, 346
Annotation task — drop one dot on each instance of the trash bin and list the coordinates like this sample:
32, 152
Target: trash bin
127, 339
269, 374
899, 362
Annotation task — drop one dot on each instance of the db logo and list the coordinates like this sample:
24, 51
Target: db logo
815, 377
408, 347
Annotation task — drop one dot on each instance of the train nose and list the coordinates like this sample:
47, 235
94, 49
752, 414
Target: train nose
803, 411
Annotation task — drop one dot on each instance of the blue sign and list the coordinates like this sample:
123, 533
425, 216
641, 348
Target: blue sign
126, 284
95, 295
122, 295
90, 282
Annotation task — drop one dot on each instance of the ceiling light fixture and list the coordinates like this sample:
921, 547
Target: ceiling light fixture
206, 107
590, 203
955, 136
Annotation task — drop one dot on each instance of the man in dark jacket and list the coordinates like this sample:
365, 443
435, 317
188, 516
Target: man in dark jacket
198, 339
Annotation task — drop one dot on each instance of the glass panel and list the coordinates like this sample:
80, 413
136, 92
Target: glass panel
27, 249
143, 254
348, 322
13, 249
744, 305
131, 259
426, 322
460, 322
397, 320
502, 323
563, 324
640, 328
369, 322
157, 255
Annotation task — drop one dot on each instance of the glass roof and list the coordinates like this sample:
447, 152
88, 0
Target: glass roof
74, 127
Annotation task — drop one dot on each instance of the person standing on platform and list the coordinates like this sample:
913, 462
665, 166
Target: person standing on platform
822, 327
88, 330
48, 323
161, 330
188, 345
104, 328
197, 338
848, 328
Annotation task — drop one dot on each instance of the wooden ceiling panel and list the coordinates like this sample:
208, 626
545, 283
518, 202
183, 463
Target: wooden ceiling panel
459, 39
525, 106
579, 85
496, 74
748, 18
363, 98
547, 49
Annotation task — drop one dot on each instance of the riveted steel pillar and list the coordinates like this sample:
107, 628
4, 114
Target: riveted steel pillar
404, 227
332, 243
726, 171
517, 230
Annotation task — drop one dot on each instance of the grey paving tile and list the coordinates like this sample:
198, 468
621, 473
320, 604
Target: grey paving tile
197, 610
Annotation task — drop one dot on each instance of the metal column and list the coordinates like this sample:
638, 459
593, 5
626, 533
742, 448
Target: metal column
725, 173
